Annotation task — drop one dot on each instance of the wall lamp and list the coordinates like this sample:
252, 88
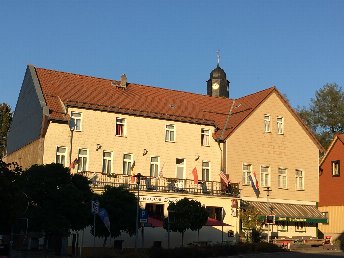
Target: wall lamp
145, 151
99, 146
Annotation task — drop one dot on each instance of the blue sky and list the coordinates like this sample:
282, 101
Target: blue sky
296, 45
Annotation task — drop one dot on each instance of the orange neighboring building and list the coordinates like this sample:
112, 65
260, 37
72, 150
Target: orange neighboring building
331, 194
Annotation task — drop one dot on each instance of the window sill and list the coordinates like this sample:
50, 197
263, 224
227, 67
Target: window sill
170, 141
205, 145
300, 189
335, 175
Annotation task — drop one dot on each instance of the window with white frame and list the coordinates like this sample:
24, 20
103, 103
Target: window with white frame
61, 154
205, 170
267, 123
76, 118
280, 125
154, 166
300, 179
127, 163
300, 226
82, 157
205, 137
282, 178
120, 126
170, 132
246, 173
282, 225
107, 161
265, 176
335, 168
180, 167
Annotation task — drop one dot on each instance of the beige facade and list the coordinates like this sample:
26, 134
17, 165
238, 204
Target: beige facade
335, 227
292, 150
98, 128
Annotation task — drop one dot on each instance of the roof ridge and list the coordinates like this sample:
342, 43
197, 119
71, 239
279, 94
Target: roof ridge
257, 92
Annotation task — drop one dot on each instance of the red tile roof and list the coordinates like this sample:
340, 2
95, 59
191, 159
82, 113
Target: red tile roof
61, 88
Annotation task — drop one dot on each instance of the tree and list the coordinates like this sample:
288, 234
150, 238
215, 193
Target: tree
121, 206
5, 122
325, 114
58, 201
251, 223
185, 214
12, 199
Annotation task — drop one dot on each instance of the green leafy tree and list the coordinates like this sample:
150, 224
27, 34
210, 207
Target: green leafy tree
5, 122
186, 214
251, 223
12, 199
58, 200
121, 206
325, 114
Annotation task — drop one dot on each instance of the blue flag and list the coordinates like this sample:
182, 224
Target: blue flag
104, 216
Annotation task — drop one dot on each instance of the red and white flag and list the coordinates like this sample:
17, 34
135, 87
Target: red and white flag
224, 178
195, 175
254, 180
75, 162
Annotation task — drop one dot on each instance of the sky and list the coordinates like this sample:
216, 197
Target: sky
295, 45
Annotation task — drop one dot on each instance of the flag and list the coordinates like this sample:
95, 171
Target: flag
133, 179
195, 175
104, 216
224, 178
254, 180
75, 162
94, 179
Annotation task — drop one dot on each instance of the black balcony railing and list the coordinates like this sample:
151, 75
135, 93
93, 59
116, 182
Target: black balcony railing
163, 184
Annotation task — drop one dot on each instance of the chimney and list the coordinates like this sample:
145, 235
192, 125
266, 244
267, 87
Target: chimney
123, 81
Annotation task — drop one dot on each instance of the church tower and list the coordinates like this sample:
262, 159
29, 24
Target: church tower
218, 85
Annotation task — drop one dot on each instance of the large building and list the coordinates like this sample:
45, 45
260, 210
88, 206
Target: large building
180, 142
331, 200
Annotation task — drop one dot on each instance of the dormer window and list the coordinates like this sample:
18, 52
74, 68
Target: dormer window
76, 119
120, 126
280, 125
267, 123
205, 136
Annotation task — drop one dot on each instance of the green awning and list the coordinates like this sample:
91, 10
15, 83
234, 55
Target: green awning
290, 212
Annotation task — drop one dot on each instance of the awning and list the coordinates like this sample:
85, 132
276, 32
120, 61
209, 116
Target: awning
154, 223
213, 222
290, 212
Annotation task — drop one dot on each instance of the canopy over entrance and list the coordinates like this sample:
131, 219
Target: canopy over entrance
290, 212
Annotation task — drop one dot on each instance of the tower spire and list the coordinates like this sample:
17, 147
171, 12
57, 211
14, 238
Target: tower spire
218, 57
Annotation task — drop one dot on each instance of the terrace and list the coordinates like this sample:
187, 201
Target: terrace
163, 184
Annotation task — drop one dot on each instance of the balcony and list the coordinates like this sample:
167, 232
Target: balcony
163, 184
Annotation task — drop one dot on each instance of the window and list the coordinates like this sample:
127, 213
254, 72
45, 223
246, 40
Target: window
82, 165
282, 178
299, 176
61, 155
154, 166
180, 166
170, 133
246, 173
205, 136
205, 170
127, 163
265, 176
107, 161
120, 126
335, 168
267, 123
282, 225
155, 210
215, 212
280, 125
76, 121
300, 226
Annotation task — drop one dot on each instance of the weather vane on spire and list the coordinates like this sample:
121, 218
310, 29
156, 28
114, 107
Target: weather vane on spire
218, 57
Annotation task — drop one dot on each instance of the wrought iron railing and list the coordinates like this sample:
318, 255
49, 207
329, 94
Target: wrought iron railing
162, 184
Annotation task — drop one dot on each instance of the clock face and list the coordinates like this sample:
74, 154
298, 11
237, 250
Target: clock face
216, 85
